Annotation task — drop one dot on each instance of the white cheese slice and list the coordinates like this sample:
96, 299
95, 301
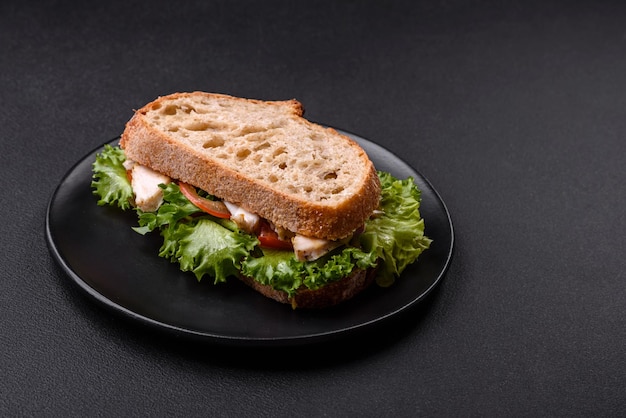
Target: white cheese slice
245, 220
145, 183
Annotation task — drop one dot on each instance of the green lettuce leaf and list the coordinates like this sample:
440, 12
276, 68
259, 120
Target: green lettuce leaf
275, 268
206, 248
282, 271
398, 234
109, 182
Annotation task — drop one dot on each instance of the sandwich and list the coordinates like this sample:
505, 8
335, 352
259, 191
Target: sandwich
250, 189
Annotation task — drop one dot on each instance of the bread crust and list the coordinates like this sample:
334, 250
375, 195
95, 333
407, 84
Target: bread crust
324, 297
161, 152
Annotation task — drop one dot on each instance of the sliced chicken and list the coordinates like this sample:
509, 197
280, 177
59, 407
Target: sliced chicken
145, 183
245, 220
309, 249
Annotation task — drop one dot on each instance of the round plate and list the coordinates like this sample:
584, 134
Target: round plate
119, 268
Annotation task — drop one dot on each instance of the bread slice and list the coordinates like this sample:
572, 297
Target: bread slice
261, 155
324, 297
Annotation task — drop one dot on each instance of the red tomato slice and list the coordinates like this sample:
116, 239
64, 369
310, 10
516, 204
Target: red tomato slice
269, 239
212, 207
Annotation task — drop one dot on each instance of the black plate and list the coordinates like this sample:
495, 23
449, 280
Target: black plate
100, 252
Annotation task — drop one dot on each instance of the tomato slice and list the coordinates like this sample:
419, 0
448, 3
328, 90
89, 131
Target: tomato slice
212, 207
269, 239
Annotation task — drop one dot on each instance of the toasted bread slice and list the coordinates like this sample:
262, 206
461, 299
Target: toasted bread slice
324, 297
261, 155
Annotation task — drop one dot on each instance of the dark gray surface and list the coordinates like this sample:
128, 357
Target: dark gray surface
515, 114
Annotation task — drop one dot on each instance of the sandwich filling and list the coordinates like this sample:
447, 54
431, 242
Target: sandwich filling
215, 238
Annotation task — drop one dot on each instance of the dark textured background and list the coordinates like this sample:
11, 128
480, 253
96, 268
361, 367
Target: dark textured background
513, 110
